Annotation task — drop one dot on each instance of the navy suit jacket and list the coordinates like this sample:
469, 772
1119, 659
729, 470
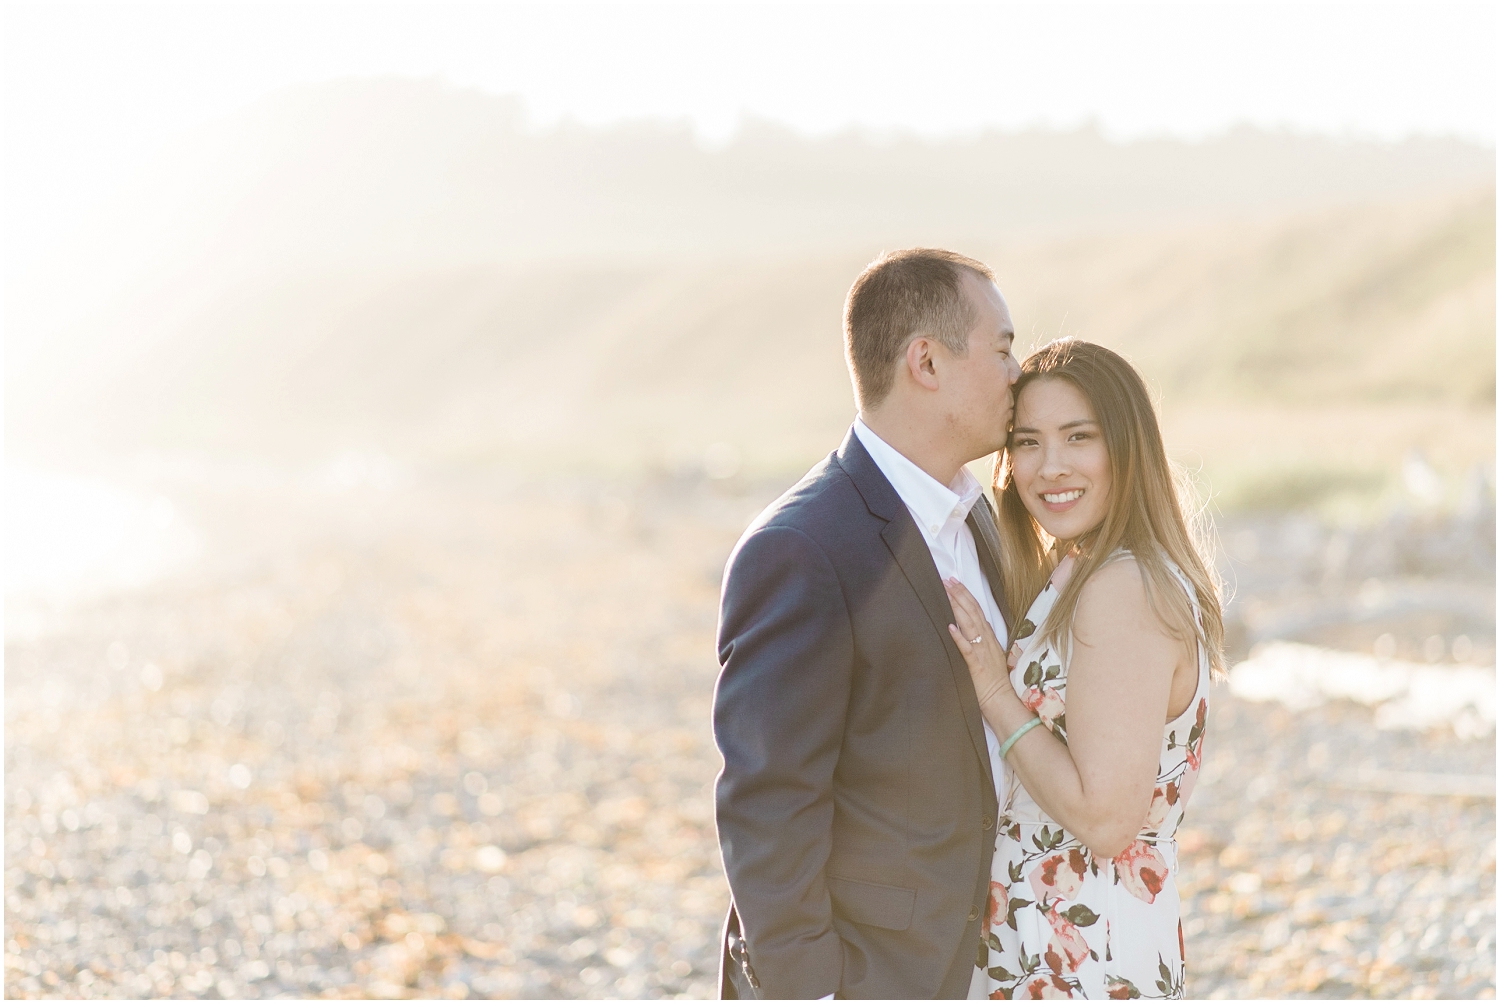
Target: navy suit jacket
856, 808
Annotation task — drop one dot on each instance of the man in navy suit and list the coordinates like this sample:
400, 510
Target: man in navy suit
857, 805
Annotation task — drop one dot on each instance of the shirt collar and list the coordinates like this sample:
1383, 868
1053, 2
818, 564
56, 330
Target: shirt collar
931, 503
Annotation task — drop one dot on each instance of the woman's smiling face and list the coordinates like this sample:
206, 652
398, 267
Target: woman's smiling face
1058, 458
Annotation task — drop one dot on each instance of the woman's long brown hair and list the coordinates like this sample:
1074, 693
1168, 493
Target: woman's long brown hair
1146, 508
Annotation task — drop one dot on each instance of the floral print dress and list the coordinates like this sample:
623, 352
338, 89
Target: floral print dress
1062, 923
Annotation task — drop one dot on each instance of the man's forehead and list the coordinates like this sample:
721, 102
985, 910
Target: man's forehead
1004, 328
1005, 322
990, 293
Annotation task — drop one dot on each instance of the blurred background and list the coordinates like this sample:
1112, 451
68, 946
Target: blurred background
386, 385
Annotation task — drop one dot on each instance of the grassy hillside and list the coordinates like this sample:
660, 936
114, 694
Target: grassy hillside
406, 267
1374, 304
1328, 342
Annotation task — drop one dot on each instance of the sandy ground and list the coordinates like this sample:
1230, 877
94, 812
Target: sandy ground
453, 741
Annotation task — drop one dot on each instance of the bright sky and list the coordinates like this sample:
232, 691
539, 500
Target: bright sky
91, 91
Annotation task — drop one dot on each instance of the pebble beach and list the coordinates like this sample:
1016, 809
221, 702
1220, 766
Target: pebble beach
452, 740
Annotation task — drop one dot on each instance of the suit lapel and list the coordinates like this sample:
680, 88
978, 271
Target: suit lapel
982, 522
909, 549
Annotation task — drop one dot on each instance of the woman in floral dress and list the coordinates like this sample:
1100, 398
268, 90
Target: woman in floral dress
1104, 694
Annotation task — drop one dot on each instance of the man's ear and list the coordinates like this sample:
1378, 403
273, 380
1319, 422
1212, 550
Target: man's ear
919, 362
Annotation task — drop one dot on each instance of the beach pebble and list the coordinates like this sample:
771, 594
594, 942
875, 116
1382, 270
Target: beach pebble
454, 742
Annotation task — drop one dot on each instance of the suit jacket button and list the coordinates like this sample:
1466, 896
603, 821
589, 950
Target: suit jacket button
973, 914
988, 822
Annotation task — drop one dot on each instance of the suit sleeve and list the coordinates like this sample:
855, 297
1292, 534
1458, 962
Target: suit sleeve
785, 654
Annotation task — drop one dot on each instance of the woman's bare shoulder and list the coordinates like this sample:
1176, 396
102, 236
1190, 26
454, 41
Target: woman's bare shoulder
1115, 594
1118, 578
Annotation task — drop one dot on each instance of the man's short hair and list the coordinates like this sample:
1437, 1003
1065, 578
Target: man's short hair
902, 294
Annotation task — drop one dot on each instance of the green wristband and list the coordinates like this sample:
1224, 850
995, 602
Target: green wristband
1017, 734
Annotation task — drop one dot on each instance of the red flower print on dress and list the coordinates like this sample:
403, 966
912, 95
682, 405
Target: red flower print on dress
1121, 989
1046, 702
1059, 876
1186, 784
1195, 737
1066, 949
1142, 870
1063, 572
1162, 801
1195, 755
1013, 656
995, 910
1048, 988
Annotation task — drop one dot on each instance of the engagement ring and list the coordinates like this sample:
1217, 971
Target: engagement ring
976, 639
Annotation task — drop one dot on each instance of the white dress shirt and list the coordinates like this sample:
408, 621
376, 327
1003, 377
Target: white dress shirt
940, 513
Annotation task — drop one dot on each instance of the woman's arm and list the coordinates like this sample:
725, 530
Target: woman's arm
1098, 784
